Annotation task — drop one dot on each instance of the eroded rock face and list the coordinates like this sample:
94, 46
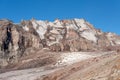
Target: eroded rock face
14, 41
77, 35
17, 40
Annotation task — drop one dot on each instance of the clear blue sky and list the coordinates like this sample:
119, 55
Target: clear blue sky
103, 14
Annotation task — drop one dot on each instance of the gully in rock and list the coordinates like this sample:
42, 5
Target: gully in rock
7, 40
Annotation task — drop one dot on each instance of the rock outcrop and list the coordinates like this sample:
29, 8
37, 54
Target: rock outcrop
17, 40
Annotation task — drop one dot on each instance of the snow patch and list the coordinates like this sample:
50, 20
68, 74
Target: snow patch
40, 27
117, 42
58, 24
89, 35
111, 37
70, 58
81, 23
26, 28
27, 74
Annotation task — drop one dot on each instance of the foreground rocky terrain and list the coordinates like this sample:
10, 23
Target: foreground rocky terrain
87, 66
59, 50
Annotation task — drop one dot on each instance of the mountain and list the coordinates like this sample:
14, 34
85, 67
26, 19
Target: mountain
36, 43
62, 35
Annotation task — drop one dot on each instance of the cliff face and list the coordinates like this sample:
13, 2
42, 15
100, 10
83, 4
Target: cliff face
73, 35
17, 40
60, 47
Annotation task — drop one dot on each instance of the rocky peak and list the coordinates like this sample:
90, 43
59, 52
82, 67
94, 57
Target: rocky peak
62, 30
60, 35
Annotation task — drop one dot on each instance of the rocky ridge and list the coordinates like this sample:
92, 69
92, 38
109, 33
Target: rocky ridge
54, 49
17, 40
